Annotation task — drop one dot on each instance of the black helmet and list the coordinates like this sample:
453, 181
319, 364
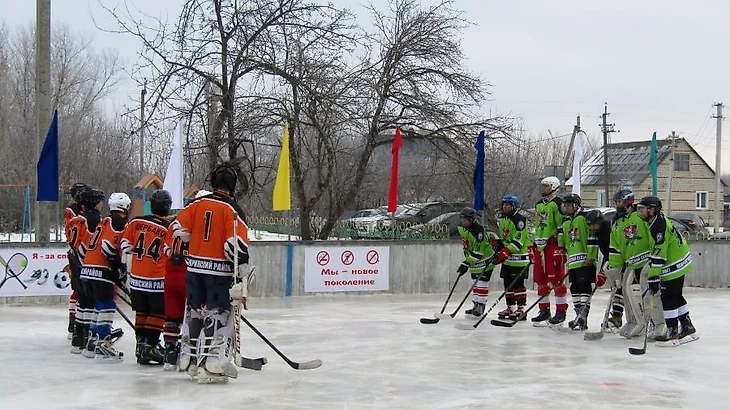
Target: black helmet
651, 202
594, 216
468, 213
224, 177
76, 189
91, 197
572, 199
161, 202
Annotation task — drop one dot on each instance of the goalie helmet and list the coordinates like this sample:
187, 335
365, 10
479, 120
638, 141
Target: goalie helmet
119, 201
224, 177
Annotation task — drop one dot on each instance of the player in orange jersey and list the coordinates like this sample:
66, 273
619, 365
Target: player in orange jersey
103, 268
145, 238
208, 224
72, 210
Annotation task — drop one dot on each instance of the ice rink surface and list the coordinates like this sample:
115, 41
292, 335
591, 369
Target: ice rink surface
376, 355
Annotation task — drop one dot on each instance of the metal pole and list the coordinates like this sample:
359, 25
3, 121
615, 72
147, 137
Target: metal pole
604, 129
42, 103
718, 170
671, 176
141, 130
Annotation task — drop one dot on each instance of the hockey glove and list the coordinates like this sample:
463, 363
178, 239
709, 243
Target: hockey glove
600, 278
496, 245
239, 294
654, 284
532, 253
462, 269
501, 256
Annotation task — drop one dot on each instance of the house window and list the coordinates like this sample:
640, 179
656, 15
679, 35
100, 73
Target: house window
681, 162
701, 199
601, 200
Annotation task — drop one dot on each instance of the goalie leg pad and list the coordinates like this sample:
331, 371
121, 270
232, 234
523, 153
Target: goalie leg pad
191, 329
218, 344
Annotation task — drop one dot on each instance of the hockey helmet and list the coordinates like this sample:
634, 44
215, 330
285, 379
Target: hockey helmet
624, 194
651, 202
224, 177
512, 200
91, 197
552, 182
468, 213
594, 216
119, 201
572, 199
76, 190
161, 202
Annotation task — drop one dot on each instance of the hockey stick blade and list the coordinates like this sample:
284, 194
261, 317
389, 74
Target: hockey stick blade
429, 321
251, 364
593, 335
636, 350
312, 364
500, 323
464, 326
443, 316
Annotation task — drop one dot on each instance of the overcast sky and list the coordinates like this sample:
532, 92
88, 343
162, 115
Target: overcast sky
659, 64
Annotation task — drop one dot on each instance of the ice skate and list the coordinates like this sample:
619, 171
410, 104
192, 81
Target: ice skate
669, 339
77, 340
578, 324
71, 323
468, 312
188, 361
558, 320
115, 335
541, 319
90, 349
688, 333
106, 353
149, 355
615, 322
171, 354
206, 377
518, 314
478, 310
657, 331
506, 313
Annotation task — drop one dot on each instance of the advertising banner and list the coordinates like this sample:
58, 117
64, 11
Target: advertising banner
34, 272
340, 269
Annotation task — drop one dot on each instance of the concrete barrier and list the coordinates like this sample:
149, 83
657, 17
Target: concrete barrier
416, 267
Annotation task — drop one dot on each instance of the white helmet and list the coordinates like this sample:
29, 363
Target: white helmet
119, 201
202, 193
552, 182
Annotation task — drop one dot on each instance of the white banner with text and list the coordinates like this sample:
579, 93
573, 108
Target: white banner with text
341, 269
34, 272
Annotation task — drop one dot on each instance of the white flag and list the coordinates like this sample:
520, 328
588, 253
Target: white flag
174, 176
577, 159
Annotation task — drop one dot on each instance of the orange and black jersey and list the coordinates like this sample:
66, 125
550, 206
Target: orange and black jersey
80, 230
145, 238
176, 250
209, 220
103, 249
70, 213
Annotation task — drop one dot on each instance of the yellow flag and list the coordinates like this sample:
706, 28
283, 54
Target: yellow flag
282, 188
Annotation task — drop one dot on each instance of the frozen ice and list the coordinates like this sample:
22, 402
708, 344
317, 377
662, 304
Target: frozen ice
376, 355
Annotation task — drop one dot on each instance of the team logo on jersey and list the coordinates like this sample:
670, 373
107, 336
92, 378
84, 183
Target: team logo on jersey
573, 236
505, 233
480, 237
659, 237
630, 234
542, 219
465, 243
520, 225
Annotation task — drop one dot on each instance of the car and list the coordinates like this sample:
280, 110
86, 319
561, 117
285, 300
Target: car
423, 212
696, 224
364, 223
443, 226
725, 235
608, 213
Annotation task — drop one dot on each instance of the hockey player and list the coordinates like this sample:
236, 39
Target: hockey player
79, 229
628, 257
144, 238
208, 224
547, 257
477, 259
670, 260
103, 268
511, 251
175, 270
73, 210
600, 237
582, 260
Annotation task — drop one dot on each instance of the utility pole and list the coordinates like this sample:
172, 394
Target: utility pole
671, 176
718, 170
576, 130
606, 129
141, 129
42, 103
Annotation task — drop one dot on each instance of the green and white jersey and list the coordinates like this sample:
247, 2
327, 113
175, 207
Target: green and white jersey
629, 243
575, 241
548, 221
670, 257
514, 236
477, 248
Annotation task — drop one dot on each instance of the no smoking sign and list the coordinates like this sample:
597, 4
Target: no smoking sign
347, 257
372, 257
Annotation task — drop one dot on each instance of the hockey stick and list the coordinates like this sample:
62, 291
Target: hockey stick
429, 320
599, 335
14, 267
464, 326
312, 364
647, 318
500, 323
124, 316
452, 314
580, 312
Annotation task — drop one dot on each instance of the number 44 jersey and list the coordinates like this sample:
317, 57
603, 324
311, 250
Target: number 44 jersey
145, 238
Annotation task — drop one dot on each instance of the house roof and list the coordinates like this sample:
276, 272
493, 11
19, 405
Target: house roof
627, 161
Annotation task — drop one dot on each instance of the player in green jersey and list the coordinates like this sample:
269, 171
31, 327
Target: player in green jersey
511, 251
477, 259
670, 260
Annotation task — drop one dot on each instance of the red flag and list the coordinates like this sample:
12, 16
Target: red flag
393, 195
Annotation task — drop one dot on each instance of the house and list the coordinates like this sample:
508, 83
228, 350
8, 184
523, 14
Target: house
693, 181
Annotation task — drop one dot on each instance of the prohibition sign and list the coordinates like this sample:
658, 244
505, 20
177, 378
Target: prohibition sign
347, 257
372, 257
323, 258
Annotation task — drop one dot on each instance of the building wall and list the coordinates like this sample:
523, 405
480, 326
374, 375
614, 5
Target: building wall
685, 184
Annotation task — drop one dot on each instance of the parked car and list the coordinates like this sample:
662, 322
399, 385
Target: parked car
725, 235
696, 224
364, 222
420, 213
608, 213
445, 226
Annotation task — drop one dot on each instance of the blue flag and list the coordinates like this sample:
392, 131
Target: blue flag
479, 174
48, 164
653, 154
